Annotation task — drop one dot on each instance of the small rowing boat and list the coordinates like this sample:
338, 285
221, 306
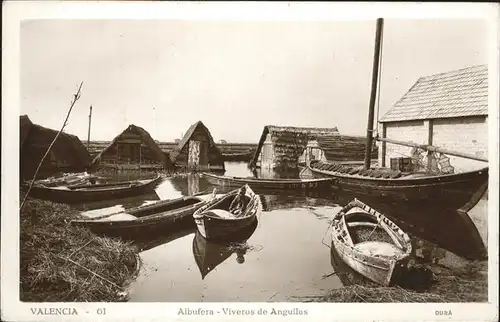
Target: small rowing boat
218, 220
93, 192
144, 218
369, 242
269, 184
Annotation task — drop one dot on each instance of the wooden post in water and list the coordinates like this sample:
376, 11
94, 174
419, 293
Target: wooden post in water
140, 158
90, 122
373, 96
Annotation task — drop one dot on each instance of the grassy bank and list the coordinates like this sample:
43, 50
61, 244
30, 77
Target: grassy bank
465, 284
61, 262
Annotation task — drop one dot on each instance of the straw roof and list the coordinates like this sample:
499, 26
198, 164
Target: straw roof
146, 138
67, 146
289, 142
185, 139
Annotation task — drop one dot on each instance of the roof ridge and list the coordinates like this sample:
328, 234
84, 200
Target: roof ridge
471, 67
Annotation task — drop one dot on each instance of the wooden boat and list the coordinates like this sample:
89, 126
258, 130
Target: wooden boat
69, 179
215, 222
209, 255
344, 272
125, 203
145, 218
93, 192
369, 242
458, 188
269, 184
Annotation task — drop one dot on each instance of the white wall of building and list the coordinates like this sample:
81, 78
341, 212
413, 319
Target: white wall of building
468, 135
464, 134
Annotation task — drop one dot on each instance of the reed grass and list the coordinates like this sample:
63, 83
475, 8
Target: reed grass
64, 263
466, 284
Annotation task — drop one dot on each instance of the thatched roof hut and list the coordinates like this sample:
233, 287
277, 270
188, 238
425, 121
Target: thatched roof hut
345, 148
281, 146
68, 154
131, 149
197, 150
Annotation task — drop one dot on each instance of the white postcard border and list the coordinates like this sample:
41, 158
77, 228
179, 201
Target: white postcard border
14, 12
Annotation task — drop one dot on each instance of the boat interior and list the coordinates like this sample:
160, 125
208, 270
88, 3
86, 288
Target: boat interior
166, 206
382, 173
370, 237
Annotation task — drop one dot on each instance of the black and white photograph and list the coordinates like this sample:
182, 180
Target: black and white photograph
210, 162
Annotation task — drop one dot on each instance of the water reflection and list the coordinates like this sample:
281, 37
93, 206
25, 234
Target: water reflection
264, 173
241, 169
189, 184
298, 200
209, 255
437, 223
176, 232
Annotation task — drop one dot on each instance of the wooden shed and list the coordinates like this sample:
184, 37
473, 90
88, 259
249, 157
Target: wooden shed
198, 151
281, 147
68, 154
133, 149
447, 110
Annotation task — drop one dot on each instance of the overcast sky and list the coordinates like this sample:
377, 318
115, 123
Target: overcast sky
235, 76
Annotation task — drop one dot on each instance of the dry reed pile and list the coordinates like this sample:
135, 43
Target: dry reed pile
466, 284
64, 263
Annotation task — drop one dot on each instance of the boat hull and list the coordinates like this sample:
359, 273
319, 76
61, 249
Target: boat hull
141, 225
376, 269
74, 196
269, 184
457, 189
215, 228
222, 229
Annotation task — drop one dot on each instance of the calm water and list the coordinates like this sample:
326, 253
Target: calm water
286, 256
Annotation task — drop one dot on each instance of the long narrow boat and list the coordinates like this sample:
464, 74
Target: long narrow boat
269, 184
215, 222
458, 188
70, 179
144, 218
209, 255
370, 243
93, 192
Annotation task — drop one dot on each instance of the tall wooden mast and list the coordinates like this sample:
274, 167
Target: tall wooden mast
373, 96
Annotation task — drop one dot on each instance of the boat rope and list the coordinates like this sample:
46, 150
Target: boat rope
327, 230
379, 79
374, 228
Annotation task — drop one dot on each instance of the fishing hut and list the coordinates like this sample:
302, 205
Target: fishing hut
133, 149
68, 154
281, 147
448, 110
197, 151
345, 149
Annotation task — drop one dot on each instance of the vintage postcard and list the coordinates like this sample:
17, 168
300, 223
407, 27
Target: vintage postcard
238, 161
